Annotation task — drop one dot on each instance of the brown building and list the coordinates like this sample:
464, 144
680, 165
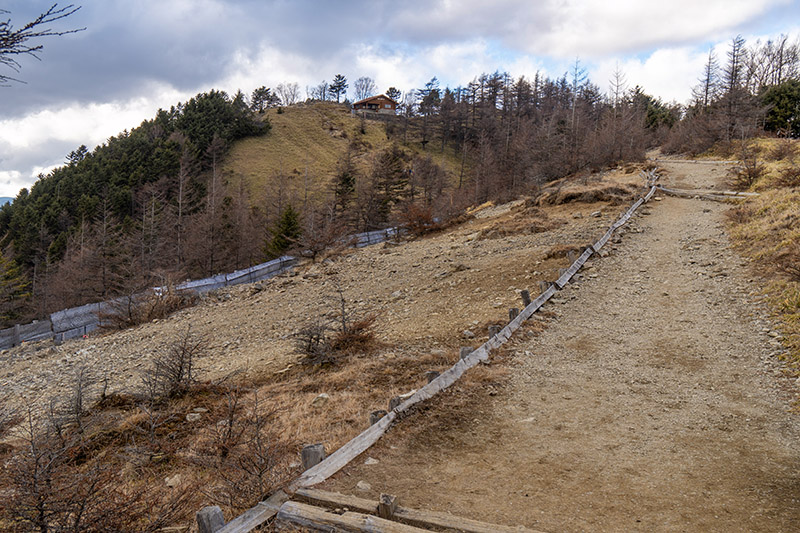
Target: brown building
377, 104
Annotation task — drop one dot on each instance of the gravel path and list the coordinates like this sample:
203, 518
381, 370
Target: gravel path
652, 403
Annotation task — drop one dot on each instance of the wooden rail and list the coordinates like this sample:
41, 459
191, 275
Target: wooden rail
719, 196
411, 517
341, 457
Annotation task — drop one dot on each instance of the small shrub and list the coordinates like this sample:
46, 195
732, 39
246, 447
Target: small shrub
359, 336
788, 260
749, 170
172, 373
324, 341
138, 309
740, 214
789, 177
783, 150
418, 219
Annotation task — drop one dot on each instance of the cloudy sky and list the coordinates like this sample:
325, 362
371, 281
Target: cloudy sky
137, 56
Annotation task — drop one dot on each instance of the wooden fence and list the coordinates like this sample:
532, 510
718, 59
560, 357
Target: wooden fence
341, 457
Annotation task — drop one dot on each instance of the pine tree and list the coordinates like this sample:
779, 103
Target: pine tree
285, 233
338, 86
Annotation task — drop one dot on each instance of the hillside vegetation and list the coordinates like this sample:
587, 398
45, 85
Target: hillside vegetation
767, 229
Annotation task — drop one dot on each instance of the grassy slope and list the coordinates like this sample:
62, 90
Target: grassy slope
304, 146
767, 230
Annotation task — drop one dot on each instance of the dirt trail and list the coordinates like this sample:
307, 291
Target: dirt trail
652, 403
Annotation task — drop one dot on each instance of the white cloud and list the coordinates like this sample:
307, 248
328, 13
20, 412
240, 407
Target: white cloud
668, 73
596, 28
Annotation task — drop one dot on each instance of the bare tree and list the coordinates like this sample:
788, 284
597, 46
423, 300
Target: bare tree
289, 93
18, 42
706, 92
364, 87
319, 92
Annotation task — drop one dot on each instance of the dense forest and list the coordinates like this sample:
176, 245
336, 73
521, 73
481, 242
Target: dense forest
152, 204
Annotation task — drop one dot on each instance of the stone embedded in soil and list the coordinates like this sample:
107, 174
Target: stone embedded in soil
371, 461
193, 417
363, 485
320, 400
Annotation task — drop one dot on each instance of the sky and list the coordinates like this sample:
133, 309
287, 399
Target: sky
135, 57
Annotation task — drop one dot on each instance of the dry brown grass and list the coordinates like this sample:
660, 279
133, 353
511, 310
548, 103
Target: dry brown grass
767, 230
612, 193
304, 146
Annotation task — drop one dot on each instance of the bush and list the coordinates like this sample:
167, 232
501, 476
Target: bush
417, 219
325, 340
789, 177
784, 149
172, 373
740, 214
788, 260
138, 309
748, 171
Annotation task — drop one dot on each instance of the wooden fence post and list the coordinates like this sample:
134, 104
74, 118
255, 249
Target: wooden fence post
526, 298
571, 256
430, 375
15, 340
210, 519
513, 313
312, 455
386, 506
464, 352
494, 330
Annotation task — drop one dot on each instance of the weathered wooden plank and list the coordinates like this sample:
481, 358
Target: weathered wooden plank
318, 519
338, 459
257, 515
413, 517
336, 500
574, 267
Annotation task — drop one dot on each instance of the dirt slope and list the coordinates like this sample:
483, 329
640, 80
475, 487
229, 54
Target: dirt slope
654, 401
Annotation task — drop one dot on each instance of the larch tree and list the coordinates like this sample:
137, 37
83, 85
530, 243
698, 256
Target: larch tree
15, 43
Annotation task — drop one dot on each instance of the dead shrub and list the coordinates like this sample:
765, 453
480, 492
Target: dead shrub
788, 260
358, 337
172, 373
789, 177
249, 464
417, 219
740, 214
136, 309
783, 150
326, 339
52, 484
749, 170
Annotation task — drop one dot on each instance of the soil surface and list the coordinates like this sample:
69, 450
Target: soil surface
460, 280
654, 401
